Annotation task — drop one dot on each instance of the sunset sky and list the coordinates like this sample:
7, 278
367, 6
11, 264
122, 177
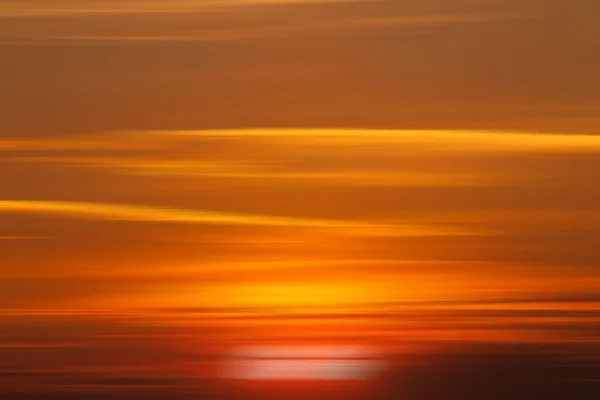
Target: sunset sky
180, 175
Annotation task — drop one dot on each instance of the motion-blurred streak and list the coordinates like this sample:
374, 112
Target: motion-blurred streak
121, 212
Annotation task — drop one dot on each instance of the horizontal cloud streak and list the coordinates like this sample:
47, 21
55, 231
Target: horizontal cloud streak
467, 140
61, 8
430, 140
98, 142
210, 24
117, 212
23, 237
170, 167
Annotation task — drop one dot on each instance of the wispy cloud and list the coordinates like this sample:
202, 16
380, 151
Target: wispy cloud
102, 211
211, 24
24, 237
95, 7
108, 141
432, 140
465, 140
266, 172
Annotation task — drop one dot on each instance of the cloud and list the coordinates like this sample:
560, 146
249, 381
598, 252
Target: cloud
120, 212
39, 8
430, 140
218, 21
269, 172
447, 139
524, 219
107, 141
24, 237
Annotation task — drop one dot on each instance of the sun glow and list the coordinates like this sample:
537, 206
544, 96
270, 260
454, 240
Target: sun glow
302, 363
295, 295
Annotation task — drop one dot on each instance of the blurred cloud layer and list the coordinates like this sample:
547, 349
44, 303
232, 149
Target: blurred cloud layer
181, 177
85, 66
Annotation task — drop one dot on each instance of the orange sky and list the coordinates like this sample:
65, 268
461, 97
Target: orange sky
392, 170
298, 219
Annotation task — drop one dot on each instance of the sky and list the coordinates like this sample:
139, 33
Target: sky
179, 177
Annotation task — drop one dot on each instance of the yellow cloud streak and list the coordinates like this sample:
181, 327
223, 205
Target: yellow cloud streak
105, 142
289, 28
24, 237
233, 170
54, 8
430, 140
522, 218
467, 140
116, 212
